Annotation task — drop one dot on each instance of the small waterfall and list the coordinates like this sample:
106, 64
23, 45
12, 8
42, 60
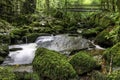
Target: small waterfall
62, 43
24, 56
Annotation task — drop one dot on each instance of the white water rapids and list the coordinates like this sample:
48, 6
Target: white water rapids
24, 56
60, 43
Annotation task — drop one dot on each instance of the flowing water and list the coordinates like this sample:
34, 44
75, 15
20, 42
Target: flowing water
61, 43
24, 56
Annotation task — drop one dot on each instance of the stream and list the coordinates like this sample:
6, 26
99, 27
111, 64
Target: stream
61, 43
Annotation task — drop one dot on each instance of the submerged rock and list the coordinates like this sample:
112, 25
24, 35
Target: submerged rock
15, 49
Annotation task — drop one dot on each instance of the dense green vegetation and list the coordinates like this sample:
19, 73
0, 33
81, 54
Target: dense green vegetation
82, 62
52, 65
22, 20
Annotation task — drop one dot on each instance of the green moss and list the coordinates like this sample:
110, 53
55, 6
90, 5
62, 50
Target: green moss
26, 76
96, 75
102, 40
115, 53
18, 34
52, 65
114, 34
88, 33
6, 74
36, 24
115, 75
31, 37
57, 28
82, 62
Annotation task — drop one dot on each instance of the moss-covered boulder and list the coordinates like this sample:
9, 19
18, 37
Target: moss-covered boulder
82, 62
52, 65
6, 74
31, 37
102, 40
115, 75
26, 76
113, 53
92, 32
96, 75
17, 34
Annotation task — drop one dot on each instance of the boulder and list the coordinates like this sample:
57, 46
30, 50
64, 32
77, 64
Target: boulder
52, 65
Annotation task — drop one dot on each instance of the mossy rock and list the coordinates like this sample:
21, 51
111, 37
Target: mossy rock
17, 34
52, 65
6, 74
102, 40
92, 32
115, 75
113, 52
82, 62
96, 75
4, 51
31, 37
26, 76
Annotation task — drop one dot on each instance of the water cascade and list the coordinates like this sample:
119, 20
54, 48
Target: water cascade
64, 44
24, 56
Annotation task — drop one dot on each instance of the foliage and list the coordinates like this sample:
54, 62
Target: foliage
4, 26
82, 62
115, 75
5, 9
28, 7
4, 38
88, 33
96, 75
17, 34
57, 28
31, 37
114, 34
6, 74
118, 6
52, 65
4, 51
102, 40
113, 52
